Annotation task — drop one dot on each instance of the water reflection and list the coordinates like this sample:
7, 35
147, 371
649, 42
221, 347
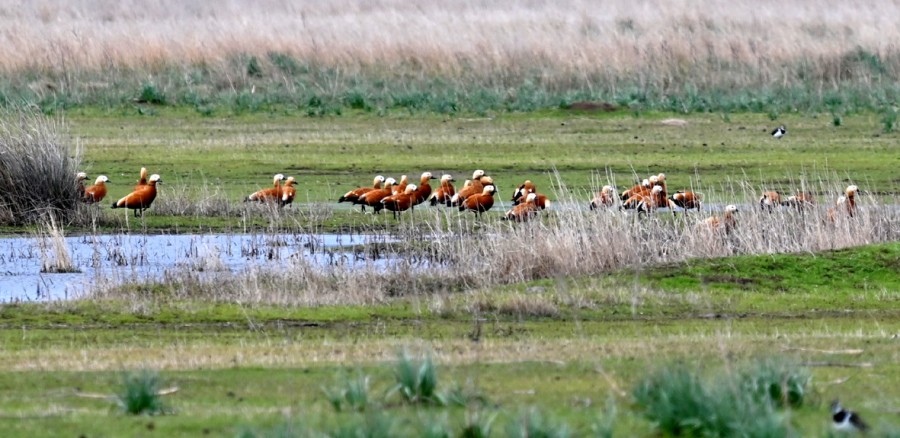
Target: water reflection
129, 258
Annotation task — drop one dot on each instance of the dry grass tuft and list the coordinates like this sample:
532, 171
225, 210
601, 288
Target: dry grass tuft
55, 255
37, 169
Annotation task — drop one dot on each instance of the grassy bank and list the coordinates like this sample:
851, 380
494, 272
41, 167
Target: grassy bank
266, 379
260, 370
210, 164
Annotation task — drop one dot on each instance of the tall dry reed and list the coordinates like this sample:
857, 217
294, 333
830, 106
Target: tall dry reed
55, 255
442, 251
38, 165
631, 50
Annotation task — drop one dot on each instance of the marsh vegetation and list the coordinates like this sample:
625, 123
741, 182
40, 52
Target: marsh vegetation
315, 319
360, 56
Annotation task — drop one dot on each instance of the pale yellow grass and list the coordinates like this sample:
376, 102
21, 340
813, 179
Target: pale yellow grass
449, 36
717, 339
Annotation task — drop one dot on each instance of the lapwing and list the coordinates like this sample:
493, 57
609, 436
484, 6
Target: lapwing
845, 420
779, 132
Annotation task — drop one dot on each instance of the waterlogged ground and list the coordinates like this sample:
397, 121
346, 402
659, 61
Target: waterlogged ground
29, 265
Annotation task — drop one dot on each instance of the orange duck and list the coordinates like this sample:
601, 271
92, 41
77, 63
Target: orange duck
96, 192
140, 199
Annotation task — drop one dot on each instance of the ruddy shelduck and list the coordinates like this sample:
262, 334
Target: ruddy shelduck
424, 189
845, 204
401, 201
769, 200
271, 194
605, 198
726, 222
96, 192
649, 203
686, 200
353, 195
661, 180
522, 191
481, 202
373, 198
524, 210
443, 193
80, 177
475, 187
400, 186
288, 191
142, 181
140, 199
800, 200
643, 202
640, 189
542, 201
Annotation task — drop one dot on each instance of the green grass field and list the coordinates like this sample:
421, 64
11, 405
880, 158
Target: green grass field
570, 347
331, 155
261, 369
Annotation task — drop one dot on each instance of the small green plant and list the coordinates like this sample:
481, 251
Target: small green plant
352, 394
356, 99
681, 404
889, 119
140, 394
777, 382
254, 68
152, 95
416, 382
604, 426
478, 424
284, 62
836, 120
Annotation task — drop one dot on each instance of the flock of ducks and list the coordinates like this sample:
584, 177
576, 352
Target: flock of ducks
477, 195
144, 192
138, 200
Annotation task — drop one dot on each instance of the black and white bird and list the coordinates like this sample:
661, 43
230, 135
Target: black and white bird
779, 132
846, 421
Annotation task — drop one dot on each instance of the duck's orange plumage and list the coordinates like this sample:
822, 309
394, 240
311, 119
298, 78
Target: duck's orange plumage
686, 200
800, 200
606, 198
640, 189
445, 192
726, 222
353, 195
400, 187
79, 183
272, 194
475, 187
524, 210
423, 191
481, 202
769, 200
143, 180
845, 205
140, 199
522, 192
374, 197
96, 192
288, 191
401, 201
